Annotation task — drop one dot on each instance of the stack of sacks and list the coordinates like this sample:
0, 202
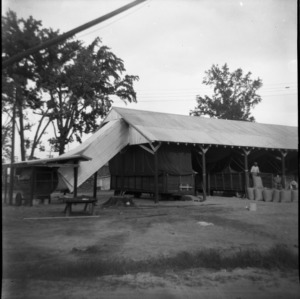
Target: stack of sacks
268, 194
295, 196
258, 188
276, 195
258, 194
250, 192
257, 182
285, 195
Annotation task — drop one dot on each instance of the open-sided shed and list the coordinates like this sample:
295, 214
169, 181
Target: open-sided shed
149, 150
212, 144
38, 178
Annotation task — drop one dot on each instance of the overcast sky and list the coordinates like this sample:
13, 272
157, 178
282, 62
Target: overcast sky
170, 44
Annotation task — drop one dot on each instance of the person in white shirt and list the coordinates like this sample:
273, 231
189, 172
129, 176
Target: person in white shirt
293, 185
256, 179
254, 169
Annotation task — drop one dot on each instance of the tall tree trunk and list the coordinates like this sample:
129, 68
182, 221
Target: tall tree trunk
62, 143
61, 147
12, 157
19, 101
38, 136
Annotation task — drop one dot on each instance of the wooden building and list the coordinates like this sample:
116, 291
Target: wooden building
163, 153
145, 149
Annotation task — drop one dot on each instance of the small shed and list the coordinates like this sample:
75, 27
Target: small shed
38, 178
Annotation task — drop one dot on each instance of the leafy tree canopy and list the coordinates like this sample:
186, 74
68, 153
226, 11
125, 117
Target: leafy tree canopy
234, 95
68, 85
18, 88
81, 82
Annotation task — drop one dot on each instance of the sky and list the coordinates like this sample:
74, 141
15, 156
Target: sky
170, 45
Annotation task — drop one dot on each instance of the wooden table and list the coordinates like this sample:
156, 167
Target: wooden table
89, 202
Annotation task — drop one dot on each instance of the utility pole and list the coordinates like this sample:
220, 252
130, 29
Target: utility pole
68, 34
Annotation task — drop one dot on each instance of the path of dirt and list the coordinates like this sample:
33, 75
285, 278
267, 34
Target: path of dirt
194, 283
147, 231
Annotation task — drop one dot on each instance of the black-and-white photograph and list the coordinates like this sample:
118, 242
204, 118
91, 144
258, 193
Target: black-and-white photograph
150, 149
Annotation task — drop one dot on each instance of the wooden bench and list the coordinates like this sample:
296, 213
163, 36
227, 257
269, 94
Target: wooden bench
89, 202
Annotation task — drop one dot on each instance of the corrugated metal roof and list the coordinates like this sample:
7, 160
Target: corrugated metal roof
46, 162
165, 127
101, 147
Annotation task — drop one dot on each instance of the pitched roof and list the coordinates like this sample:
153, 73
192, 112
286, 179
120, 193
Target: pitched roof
57, 161
156, 126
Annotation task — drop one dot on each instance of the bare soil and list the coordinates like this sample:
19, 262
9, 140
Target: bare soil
41, 237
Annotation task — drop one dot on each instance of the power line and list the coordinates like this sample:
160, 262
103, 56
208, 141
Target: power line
206, 88
189, 94
196, 93
284, 94
142, 99
67, 35
112, 22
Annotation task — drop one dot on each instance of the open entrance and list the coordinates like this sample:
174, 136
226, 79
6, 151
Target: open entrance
226, 171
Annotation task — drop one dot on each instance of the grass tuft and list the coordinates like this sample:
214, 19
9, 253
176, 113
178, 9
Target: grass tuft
277, 257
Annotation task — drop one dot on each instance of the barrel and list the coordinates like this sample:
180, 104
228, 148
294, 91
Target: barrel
268, 194
285, 195
276, 195
258, 195
250, 193
295, 196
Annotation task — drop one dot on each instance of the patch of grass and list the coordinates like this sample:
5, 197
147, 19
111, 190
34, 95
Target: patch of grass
278, 257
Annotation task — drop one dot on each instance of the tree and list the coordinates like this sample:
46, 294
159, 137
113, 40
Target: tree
81, 82
5, 141
19, 35
69, 85
234, 95
6, 121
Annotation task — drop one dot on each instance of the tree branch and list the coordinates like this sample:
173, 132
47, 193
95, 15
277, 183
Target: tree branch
37, 139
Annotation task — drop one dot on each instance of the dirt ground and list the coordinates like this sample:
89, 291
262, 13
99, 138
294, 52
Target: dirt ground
41, 235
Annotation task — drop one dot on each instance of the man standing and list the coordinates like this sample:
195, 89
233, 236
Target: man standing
277, 182
254, 169
256, 179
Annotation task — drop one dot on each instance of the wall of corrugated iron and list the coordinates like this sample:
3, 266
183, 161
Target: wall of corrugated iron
105, 144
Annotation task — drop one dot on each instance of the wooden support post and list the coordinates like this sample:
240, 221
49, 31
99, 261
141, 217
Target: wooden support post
203, 150
95, 185
32, 185
195, 184
156, 176
283, 155
5, 185
122, 173
75, 179
223, 181
204, 175
246, 153
208, 184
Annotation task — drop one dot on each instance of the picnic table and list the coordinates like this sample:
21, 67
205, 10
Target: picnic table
89, 202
